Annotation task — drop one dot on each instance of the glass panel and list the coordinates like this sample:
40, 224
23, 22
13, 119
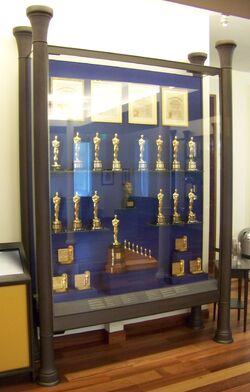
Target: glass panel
130, 179
10, 263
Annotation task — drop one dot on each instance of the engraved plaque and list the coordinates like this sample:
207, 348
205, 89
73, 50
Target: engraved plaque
178, 268
181, 244
60, 283
82, 281
66, 255
195, 266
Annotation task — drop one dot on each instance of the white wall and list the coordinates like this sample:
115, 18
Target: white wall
241, 151
153, 28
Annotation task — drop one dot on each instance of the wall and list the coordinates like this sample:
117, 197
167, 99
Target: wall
151, 28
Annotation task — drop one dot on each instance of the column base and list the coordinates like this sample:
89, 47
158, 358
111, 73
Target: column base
224, 337
195, 319
47, 379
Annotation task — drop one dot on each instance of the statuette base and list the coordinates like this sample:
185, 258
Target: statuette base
142, 166
78, 164
96, 224
192, 165
192, 218
57, 226
160, 166
77, 225
161, 221
116, 166
56, 166
176, 165
97, 165
177, 218
116, 259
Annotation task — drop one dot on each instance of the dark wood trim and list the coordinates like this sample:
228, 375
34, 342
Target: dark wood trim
93, 54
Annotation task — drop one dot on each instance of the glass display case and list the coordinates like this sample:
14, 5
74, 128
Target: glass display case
129, 186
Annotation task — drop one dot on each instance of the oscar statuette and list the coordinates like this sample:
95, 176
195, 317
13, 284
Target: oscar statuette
56, 150
161, 220
77, 223
56, 224
116, 254
96, 223
78, 164
175, 164
191, 214
116, 165
97, 165
176, 215
159, 162
191, 155
142, 165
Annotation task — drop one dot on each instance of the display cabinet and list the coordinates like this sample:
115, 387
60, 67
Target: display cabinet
122, 186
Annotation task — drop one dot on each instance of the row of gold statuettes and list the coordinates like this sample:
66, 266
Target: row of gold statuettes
116, 164
96, 222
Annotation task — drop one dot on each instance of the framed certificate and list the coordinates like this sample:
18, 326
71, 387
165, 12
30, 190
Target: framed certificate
66, 100
174, 107
106, 101
142, 104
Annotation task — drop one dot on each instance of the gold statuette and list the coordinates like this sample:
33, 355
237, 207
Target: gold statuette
77, 223
97, 165
60, 283
159, 162
195, 266
116, 166
116, 252
161, 220
96, 224
181, 244
56, 149
82, 281
175, 164
191, 155
66, 255
142, 164
78, 163
178, 268
176, 215
56, 224
191, 214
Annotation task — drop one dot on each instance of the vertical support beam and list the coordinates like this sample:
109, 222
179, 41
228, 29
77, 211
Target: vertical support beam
23, 35
195, 319
40, 17
223, 333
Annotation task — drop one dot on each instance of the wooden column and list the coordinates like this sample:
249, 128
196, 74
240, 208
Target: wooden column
195, 319
223, 333
23, 35
40, 17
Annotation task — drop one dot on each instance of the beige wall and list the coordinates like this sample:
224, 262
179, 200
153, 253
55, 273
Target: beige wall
151, 28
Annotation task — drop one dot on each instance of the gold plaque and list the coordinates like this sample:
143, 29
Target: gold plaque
178, 268
82, 281
195, 266
66, 255
60, 283
181, 244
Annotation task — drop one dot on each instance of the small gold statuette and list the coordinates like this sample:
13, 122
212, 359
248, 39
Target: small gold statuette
195, 266
66, 255
127, 192
161, 220
159, 162
60, 283
96, 223
181, 244
191, 215
178, 268
82, 281
116, 166
77, 223
56, 150
56, 224
191, 155
78, 163
142, 164
116, 252
176, 215
97, 166
175, 164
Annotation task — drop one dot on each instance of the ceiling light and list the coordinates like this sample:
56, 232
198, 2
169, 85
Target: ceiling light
224, 20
